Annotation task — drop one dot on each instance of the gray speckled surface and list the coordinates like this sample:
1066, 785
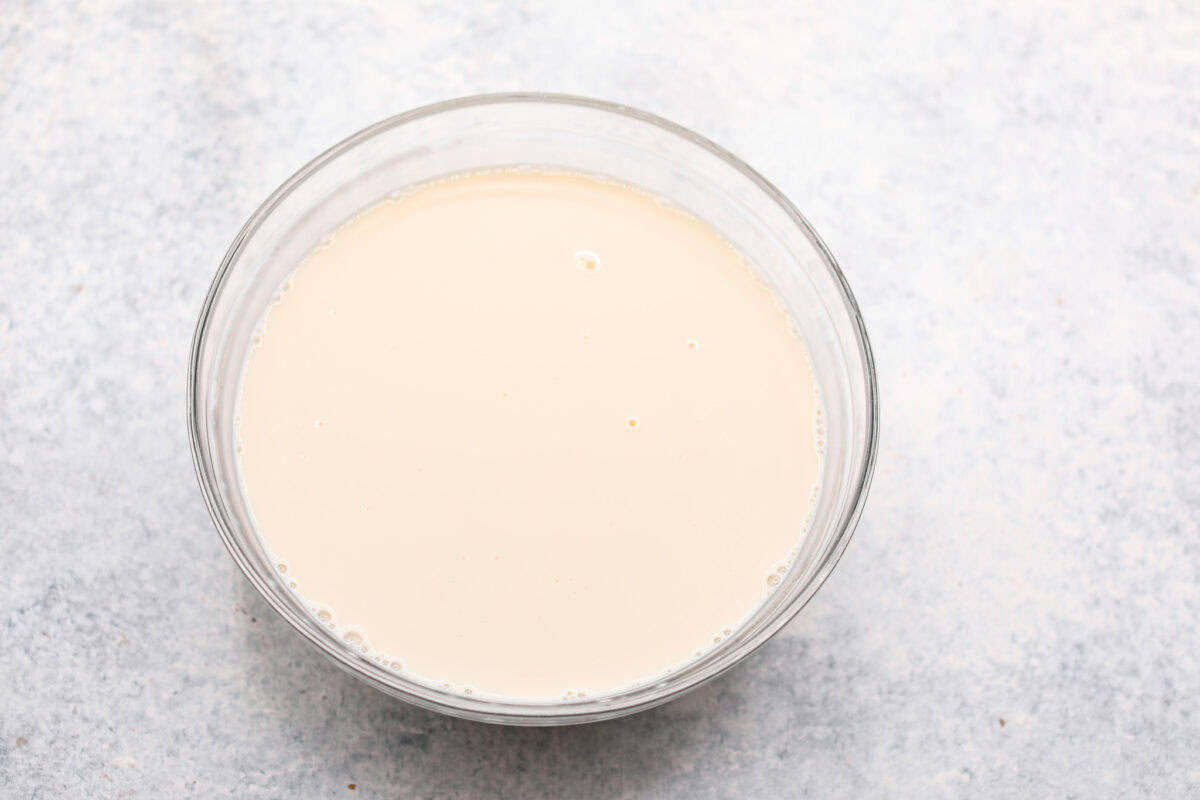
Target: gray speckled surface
1014, 192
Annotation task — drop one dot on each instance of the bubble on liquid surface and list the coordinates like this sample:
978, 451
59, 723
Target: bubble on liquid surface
772, 580
587, 260
324, 615
819, 430
353, 638
282, 567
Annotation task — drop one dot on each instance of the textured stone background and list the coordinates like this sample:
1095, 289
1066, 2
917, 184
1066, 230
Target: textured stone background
1014, 192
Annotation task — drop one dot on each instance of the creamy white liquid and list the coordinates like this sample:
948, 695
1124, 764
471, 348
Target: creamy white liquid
529, 435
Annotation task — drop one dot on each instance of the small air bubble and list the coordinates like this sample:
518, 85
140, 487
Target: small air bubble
353, 638
587, 260
281, 567
716, 640
292, 584
395, 665
324, 616
693, 344
781, 569
772, 580
632, 422
581, 694
727, 631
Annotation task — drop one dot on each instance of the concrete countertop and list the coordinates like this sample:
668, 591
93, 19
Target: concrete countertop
1014, 193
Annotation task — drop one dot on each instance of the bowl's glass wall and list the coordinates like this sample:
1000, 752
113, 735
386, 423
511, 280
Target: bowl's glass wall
571, 135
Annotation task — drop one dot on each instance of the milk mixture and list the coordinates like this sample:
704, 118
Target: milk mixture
529, 435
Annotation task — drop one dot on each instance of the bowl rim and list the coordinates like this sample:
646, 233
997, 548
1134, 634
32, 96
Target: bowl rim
486, 709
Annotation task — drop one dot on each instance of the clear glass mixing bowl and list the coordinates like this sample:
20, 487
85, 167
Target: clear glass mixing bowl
570, 134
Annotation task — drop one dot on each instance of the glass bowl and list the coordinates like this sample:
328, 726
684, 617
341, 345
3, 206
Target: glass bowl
568, 134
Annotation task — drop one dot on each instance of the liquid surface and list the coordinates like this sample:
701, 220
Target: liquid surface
528, 434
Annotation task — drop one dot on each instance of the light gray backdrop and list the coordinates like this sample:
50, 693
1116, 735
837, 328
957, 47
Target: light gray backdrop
1013, 190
